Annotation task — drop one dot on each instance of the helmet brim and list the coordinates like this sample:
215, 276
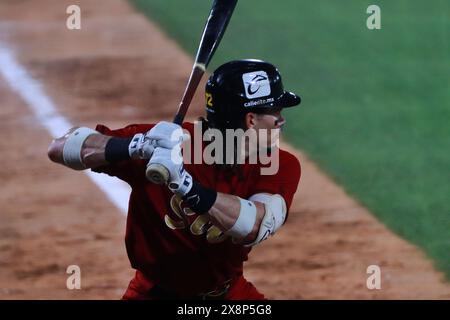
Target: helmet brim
287, 100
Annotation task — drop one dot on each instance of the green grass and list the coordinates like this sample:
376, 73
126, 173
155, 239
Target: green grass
376, 104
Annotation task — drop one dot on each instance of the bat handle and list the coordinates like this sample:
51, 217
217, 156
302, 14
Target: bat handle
178, 119
157, 173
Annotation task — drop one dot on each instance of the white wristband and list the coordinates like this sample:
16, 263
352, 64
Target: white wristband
245, 222
72, 148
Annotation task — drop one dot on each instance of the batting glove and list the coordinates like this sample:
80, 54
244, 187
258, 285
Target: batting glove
180, 181
141, 147
164, 135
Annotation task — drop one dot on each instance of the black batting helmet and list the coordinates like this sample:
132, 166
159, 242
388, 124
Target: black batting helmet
243, 86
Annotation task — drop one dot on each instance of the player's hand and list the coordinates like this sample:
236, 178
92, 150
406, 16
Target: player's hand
180, 181
141, 147
164, 135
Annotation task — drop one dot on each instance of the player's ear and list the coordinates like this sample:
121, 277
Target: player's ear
250, 120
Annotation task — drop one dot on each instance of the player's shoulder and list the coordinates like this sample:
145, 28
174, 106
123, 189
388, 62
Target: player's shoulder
289, 165
288, 158
128, 131
132, 129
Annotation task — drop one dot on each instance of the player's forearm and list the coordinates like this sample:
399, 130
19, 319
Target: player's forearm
93, 151
225, 212
236, 217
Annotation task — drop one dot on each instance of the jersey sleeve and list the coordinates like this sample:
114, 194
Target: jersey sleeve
128, 170
284, 182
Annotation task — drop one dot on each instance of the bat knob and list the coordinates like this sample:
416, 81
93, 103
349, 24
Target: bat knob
157, 173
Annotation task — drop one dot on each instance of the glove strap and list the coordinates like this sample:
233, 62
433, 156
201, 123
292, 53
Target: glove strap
197, 197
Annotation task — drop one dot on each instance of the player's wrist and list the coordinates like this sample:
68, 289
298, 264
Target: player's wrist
198, 198
116, 149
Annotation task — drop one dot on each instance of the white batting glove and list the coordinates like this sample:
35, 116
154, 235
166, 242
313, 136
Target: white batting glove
167, 134
141, 147
180, 181
164, 135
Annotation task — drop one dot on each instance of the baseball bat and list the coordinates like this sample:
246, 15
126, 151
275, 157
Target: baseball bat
215, 27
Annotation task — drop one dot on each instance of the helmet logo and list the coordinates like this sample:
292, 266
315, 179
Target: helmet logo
256, 84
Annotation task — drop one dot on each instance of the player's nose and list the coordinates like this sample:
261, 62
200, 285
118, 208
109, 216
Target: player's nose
280, 121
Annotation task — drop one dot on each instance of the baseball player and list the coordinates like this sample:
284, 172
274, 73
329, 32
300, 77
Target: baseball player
188, 239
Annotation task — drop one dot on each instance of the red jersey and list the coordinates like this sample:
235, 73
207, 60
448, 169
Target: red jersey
189, 256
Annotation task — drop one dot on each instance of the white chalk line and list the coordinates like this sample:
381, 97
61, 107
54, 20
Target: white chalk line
45, 111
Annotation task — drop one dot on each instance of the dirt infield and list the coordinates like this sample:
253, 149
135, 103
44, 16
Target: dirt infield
121, 69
